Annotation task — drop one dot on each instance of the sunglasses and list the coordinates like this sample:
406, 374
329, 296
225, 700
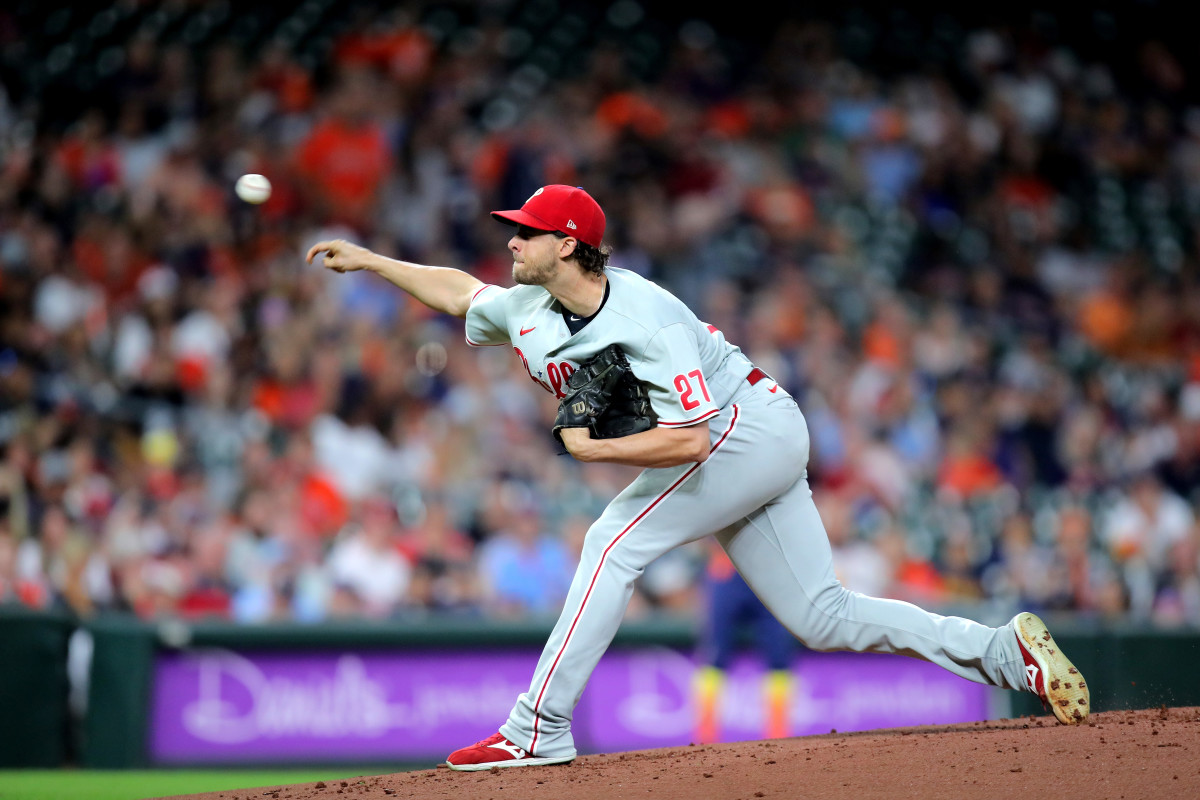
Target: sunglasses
525, 232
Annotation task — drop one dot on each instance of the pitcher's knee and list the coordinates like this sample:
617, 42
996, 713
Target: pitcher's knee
597, 541
820, 624
623, 557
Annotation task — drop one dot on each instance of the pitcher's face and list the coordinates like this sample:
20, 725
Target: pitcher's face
535, 254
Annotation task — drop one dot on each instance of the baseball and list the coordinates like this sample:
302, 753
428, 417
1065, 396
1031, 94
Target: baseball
253, 188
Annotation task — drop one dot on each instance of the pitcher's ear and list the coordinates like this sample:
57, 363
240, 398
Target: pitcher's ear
566, 247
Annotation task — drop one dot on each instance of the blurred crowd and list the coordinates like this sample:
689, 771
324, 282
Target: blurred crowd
977, 275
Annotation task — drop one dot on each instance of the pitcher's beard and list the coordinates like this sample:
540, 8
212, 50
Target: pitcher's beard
531, 275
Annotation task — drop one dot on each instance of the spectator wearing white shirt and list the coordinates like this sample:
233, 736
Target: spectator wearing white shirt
366, 560
1141, 530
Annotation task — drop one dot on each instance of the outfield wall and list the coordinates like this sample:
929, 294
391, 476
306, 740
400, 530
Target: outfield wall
172, 694
34, 723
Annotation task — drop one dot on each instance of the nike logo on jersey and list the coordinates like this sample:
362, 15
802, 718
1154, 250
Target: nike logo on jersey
1031, 673
575, 319
509, 748
526, 330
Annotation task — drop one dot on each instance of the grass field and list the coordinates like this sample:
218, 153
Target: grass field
66, 784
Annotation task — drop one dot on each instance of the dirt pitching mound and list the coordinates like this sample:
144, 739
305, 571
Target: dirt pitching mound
1152, 753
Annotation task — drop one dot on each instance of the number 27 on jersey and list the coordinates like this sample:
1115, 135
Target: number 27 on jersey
684, 385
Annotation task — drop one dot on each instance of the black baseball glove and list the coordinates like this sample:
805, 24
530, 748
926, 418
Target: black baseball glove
605, 396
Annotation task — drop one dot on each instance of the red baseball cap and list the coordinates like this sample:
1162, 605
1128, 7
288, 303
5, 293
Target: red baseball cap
566, 209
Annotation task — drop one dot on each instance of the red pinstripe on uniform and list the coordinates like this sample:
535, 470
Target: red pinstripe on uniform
468, 338
687, 422
604, 556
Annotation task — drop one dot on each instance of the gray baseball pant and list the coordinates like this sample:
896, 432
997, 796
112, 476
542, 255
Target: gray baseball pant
753, 494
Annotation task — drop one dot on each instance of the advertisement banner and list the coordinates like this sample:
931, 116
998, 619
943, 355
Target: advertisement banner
220, 706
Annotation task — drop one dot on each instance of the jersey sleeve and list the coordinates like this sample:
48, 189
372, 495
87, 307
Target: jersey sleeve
487, 318
670, 366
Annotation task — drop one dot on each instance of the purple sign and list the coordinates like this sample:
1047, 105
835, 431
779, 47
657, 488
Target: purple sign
218, 706
645, 698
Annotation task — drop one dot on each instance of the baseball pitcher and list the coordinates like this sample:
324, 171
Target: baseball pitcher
641, 381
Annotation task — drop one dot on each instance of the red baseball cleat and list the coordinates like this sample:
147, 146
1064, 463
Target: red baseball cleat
496, 751
1049, 674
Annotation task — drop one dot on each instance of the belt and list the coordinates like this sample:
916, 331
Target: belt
756, 375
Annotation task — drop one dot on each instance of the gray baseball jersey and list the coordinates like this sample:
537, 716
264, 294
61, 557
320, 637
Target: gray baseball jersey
752, 493
690, 369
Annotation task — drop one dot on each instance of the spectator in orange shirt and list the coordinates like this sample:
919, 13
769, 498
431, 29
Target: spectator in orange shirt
346, 157
966, 469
